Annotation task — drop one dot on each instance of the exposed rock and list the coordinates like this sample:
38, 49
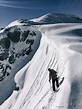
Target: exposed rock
4, 56
11, 59
14, 36
25, 35
5, 42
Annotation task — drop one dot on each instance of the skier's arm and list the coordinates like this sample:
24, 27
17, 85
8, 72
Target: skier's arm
57, 75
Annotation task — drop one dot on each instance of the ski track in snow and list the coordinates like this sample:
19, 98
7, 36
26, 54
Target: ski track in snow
42, 83
49, 65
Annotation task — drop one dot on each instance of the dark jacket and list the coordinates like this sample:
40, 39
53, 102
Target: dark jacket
52, 74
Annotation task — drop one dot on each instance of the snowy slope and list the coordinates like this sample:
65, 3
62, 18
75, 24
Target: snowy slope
60, 48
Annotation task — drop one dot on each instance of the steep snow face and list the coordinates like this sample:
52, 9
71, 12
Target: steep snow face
62, 52
58, 18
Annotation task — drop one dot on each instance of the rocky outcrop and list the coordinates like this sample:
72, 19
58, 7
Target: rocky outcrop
14, 43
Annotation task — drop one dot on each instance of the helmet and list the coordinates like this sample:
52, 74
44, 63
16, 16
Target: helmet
49, 69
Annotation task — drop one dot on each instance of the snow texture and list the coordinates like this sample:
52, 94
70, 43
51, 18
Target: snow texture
61, 49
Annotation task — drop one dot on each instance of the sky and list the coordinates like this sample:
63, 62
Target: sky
11, 10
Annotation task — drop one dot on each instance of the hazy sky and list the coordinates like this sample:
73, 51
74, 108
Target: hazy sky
11, 10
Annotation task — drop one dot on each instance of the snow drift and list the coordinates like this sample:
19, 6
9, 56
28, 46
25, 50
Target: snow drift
61, 49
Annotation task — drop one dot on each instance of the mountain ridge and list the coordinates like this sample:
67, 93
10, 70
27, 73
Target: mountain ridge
59, 46
50, 18
58, 18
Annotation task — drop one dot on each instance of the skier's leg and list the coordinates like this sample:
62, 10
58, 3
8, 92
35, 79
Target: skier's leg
53, 84
57, 83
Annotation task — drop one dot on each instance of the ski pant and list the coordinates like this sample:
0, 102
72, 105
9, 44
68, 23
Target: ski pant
53, 83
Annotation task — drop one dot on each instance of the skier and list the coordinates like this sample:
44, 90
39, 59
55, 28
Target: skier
54, 77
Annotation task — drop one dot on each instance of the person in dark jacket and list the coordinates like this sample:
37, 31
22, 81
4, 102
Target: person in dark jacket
53, 76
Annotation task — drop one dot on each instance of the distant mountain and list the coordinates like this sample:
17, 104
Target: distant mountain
58, 18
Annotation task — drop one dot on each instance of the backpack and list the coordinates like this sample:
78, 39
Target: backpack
53, 73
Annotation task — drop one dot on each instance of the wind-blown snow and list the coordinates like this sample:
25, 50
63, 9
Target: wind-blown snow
61, 49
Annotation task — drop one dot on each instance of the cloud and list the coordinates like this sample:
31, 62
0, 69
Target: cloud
24, 7
30, 5
12, 6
